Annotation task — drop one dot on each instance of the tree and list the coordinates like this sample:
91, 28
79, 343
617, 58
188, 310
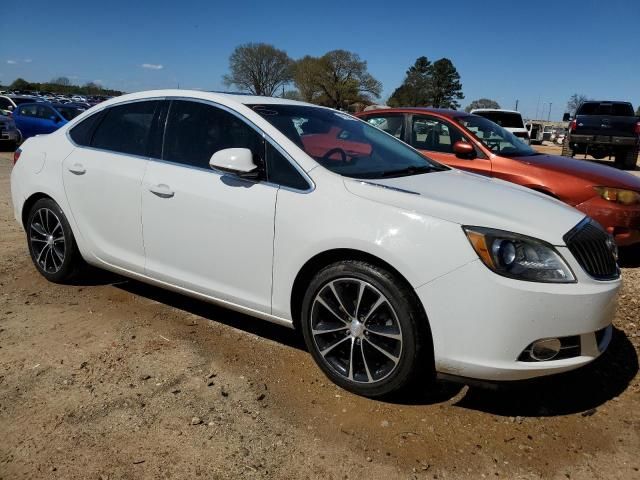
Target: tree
337, 79
415, 90
482, 103
305, 72
63, 81
259, 68
638, 111
21, 84
446, 88
575, 101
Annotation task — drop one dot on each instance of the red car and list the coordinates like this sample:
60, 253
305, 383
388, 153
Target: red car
475, 144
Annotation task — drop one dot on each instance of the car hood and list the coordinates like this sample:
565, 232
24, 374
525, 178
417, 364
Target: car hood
595, 173
469, 199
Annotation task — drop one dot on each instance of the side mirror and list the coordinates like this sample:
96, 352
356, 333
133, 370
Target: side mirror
238, 161
464, 150
566, 117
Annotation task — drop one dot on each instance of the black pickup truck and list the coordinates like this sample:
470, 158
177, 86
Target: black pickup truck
604, 129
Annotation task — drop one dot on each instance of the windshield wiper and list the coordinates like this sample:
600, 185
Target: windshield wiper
412, 170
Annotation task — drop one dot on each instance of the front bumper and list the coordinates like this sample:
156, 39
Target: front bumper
621, 221
482, 322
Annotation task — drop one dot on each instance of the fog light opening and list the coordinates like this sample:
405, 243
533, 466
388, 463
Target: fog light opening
546, 349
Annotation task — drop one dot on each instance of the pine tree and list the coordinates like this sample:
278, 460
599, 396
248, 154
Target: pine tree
446, 88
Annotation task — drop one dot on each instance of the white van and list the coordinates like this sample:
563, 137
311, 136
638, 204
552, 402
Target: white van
508, 119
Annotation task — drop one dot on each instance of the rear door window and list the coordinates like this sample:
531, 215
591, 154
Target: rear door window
125, 128
432, 134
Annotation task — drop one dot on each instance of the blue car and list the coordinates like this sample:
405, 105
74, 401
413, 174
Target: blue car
37, 118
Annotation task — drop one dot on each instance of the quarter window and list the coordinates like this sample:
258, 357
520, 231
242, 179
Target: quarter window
431, 134
281, 172
126, 128
82, 132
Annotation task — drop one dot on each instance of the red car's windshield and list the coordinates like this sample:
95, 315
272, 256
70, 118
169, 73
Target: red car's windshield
497, 139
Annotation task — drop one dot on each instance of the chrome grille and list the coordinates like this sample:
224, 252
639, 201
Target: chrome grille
591, 247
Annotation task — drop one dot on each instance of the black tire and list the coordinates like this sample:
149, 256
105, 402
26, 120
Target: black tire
566, 149
627, 158
58, 259
380, 375
8, 146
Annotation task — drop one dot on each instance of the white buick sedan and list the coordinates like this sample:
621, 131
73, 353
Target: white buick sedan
393, 266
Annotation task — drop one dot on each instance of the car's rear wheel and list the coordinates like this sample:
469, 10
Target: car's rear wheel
365, 329
627, 158
52, 246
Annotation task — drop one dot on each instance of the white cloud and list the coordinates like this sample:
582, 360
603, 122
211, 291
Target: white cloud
27, 60
98, 81
11, 62
152, 66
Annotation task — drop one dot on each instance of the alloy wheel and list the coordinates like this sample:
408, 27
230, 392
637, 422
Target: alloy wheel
356, 330
46, 237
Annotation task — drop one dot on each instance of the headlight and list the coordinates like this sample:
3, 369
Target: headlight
517, 256
618, 195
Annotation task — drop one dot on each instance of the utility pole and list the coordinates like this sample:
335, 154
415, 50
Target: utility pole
549, 117
537, 106
517, 105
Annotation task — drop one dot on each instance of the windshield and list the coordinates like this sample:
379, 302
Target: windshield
69, 113
504, 119
497, 139
344, 144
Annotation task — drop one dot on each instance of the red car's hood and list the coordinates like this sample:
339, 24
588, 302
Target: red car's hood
601, 175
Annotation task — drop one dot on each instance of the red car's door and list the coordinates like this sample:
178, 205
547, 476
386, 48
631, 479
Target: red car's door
435, 137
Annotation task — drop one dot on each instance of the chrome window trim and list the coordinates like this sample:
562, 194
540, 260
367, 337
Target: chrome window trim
265, 136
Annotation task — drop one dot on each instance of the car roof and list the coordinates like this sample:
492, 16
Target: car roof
495, 110
616, 102
439, 111
228, 99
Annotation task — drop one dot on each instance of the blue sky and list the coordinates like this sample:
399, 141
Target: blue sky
536, 52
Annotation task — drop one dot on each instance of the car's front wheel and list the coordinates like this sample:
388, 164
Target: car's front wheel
365, 329
51, 243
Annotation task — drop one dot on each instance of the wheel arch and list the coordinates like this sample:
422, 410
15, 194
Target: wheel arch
30, 202
323, 259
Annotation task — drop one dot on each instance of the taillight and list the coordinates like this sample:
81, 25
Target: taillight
16, 155
638, 128
573, 125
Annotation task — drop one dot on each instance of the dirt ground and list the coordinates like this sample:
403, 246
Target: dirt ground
113, 379
553, 149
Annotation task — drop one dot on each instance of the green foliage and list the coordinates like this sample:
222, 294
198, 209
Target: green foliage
415, 89
337, 79
638, 111
62, 87
446, 88
427, 84
259, 68
482, 103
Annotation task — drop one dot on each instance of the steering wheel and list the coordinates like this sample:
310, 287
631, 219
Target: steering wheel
333, 151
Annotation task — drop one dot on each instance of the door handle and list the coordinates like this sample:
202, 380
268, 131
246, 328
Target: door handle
162, 190
77, 169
